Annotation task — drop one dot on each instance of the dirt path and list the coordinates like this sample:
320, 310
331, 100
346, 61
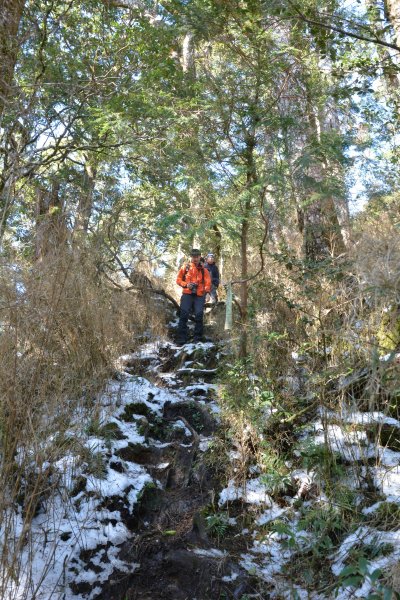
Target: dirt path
177, 557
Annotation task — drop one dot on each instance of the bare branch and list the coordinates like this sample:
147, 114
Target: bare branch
345, 32
148, 286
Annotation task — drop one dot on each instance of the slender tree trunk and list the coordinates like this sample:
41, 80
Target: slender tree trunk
13, 145
10, 17
7, 185
244, 273
389, 69
189, 69
201, 193
85, 206
218, 242
188, 62
251, 179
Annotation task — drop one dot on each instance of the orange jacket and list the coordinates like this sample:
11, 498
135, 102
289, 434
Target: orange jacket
192, 274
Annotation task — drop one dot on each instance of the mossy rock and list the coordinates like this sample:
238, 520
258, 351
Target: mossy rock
197, 416
159, 430
205, 358
150, 457
135, 453
178, 433
386, 435
388, 334
79, 486
111, 431
143, 426
136, 408
149, 504
198, 365
96, 465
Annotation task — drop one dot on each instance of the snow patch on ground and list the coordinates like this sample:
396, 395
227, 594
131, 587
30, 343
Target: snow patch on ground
51, 557
190, 349
211, 552
388, 481
253, 492
275, 512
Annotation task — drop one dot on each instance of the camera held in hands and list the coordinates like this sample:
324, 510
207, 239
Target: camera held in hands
193, 288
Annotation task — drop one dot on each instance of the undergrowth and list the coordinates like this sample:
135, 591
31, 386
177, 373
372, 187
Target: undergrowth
323, 343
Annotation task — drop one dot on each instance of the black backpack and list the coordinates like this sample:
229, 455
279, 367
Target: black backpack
187, 268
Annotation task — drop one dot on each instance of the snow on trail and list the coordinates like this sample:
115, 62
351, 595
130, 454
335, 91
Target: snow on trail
74, 521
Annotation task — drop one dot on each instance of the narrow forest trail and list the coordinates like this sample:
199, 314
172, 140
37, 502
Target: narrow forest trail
169, 396
176, 557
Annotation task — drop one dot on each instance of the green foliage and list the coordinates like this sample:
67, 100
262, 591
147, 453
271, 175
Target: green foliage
290, 537
96, 465
217, 524
326, 523
369, 551
276, 475
243, 391
322, 460
275, 483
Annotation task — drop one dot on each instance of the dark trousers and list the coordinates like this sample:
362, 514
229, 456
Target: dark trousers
189, 303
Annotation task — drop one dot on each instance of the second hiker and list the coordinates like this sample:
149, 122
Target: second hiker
196, 283
214, 273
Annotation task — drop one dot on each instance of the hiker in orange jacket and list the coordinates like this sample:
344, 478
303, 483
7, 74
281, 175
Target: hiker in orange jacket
196, 283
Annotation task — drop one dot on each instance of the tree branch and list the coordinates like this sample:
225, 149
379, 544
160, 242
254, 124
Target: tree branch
149, 285
345, 32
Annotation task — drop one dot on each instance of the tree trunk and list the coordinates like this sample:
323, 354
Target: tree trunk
392, 10
244, 273
389, 68
251, 179
322, 236
218, 242
14, 142
51, 230
10, 17
188, 68
85, 206
200, 191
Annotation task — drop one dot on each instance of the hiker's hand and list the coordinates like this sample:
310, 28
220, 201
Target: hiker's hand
190, 286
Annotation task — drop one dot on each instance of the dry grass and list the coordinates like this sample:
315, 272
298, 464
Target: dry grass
61, 328
377, 255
